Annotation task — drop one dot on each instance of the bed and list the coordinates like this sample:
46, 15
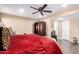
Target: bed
32, 44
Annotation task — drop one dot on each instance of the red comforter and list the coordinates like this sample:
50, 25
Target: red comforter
32, 44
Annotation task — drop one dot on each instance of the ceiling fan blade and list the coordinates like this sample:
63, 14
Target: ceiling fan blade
47, 11
41, 13
35, 12
43, 6
33, 8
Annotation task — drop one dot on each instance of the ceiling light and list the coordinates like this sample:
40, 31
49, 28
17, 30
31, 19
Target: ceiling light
21, 10
64, 5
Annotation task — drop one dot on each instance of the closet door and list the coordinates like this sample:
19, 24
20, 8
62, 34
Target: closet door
40, 28
35, 28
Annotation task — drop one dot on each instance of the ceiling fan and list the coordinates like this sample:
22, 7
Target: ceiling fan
41, 9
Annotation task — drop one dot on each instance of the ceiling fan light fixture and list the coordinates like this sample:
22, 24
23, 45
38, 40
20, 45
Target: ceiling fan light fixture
41, 9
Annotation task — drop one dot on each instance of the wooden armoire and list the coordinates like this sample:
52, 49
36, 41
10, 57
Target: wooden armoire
40, 28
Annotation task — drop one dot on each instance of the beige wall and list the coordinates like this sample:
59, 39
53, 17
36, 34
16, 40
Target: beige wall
19, 24
74, 28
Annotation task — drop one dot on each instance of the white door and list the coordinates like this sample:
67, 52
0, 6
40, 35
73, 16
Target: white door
65, 30
62, 29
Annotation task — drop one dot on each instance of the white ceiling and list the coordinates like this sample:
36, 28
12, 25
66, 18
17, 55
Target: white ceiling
13, 9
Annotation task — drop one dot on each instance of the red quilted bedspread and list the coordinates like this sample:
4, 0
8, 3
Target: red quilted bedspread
32, 44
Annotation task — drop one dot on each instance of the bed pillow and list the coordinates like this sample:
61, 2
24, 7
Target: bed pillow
11, 31
5, 38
